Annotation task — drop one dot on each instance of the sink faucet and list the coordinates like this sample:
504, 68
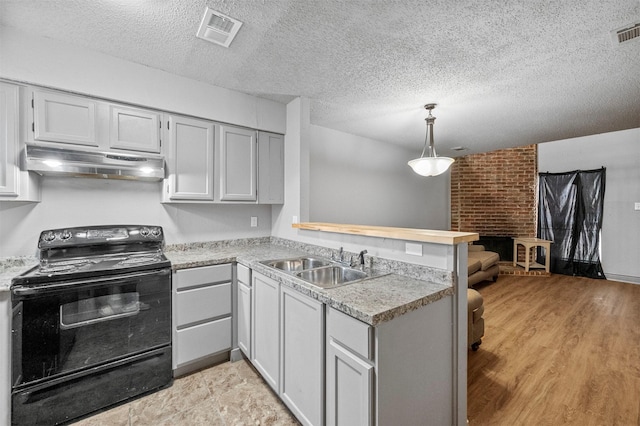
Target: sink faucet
340, 257
361, 259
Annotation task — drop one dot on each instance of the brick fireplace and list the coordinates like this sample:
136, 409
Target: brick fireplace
494, 194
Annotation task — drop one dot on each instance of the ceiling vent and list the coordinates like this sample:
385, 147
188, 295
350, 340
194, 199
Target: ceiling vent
626, 34
218, 28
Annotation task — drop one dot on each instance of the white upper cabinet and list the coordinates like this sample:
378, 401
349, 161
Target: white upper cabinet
134, 129
15, 184
237, 151
270, 168
189, 160
64, 118
8, 140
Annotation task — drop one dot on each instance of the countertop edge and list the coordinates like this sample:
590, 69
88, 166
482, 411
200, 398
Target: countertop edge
407, 234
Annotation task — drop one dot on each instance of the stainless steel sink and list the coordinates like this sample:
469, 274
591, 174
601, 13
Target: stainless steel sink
331, 276
297, 264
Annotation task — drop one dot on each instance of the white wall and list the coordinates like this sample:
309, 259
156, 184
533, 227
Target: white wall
296, 160
298, 175
368, 182
619, 152
70, 202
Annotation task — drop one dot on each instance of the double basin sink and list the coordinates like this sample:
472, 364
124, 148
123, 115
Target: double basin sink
318, 272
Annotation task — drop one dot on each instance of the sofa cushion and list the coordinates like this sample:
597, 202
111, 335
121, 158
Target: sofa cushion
474, 265
486, 258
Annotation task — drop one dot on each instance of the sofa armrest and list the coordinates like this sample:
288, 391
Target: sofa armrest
476, 247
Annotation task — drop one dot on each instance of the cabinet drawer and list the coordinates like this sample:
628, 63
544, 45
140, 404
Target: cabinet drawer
202, 340
350, 332
194, 277
244, 275
203, 303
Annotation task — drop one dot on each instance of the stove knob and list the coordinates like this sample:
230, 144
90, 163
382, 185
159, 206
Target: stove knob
49, 236
65, 235
156, 232
144, 232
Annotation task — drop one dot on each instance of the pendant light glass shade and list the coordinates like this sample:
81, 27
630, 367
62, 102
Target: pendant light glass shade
431, 165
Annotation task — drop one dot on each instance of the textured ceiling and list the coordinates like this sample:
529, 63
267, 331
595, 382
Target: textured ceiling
503, 73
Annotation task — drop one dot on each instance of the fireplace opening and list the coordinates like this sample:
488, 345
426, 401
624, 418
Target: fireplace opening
501, 245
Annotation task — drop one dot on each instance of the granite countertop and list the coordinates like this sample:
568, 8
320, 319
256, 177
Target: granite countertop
13, 267
373, 301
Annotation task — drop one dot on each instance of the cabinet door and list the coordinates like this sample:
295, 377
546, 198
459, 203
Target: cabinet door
302, 361
190, 159
237, 155
134, 129
265, 329
244, 319
349, 387
64, 118
8, 140
270, 168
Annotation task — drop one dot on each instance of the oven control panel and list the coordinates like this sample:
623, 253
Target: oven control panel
81, 236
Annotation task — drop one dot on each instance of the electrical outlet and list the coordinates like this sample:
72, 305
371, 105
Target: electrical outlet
254, 221
637, 206
295, 219
413, 249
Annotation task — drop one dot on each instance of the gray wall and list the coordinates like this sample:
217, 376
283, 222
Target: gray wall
619, 152
77, 201
368, 182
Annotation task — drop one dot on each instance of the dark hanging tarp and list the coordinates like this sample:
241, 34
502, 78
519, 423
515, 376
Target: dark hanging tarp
570, 214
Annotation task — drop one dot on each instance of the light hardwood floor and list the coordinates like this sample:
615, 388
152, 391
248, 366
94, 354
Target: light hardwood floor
557, 350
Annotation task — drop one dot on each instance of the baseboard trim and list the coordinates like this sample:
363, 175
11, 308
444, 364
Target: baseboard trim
623, 278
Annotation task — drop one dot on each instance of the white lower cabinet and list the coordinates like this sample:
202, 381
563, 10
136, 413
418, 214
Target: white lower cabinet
265, 330
397, 372
288, 348
302, 359
201, 315
350, 371
244, 310
202, 340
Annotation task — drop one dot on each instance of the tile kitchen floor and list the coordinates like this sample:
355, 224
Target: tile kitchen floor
226, 394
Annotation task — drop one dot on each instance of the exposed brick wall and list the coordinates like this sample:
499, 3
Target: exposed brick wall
494, 193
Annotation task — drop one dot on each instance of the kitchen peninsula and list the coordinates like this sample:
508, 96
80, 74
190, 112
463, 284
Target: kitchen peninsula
410, 351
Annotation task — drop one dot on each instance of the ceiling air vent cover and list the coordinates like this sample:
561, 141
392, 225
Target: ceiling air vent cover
218, 28
626, 34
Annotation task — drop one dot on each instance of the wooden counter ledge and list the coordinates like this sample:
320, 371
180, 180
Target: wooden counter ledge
408, 234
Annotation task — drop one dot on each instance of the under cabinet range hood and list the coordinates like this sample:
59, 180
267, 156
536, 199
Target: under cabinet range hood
46, 160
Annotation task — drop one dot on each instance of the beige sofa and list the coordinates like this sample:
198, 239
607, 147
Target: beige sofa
475, 321
482, 264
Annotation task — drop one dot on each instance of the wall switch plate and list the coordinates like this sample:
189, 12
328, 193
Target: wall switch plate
413, 249
254, 221
637, 206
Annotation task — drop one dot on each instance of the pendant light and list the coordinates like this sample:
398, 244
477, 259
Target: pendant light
431, 165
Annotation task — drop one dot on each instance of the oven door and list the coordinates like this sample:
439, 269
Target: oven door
68, 327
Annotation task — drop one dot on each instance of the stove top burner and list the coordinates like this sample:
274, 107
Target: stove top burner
87, 252
64, 266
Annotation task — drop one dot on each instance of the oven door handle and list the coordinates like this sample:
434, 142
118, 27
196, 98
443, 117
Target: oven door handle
87, 283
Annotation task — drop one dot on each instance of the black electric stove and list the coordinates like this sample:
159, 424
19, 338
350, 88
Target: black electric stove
91, 324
